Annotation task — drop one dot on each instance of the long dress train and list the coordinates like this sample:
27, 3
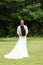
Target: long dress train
19, 51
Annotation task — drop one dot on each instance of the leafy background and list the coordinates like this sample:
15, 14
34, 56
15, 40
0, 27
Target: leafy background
12, 11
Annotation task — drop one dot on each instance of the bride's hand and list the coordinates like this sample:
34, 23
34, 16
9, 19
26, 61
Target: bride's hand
20, 34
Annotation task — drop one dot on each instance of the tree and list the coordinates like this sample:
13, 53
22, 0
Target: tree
12, 11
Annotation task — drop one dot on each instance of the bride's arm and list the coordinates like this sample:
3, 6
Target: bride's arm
18, 31
26, 30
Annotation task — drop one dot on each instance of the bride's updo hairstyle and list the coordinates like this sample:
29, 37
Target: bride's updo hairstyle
23, 32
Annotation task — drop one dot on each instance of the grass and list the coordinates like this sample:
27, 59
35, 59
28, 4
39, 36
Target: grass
35, 50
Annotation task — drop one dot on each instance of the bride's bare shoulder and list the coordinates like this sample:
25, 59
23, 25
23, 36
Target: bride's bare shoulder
25, 26
18, 26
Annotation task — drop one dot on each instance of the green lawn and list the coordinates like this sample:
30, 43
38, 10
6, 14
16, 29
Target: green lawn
35, 50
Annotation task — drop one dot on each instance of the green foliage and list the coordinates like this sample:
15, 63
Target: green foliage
12, 11
1, 33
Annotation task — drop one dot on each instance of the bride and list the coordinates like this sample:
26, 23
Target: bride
20, 49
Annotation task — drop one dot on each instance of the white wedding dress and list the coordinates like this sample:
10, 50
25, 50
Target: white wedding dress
20, 49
